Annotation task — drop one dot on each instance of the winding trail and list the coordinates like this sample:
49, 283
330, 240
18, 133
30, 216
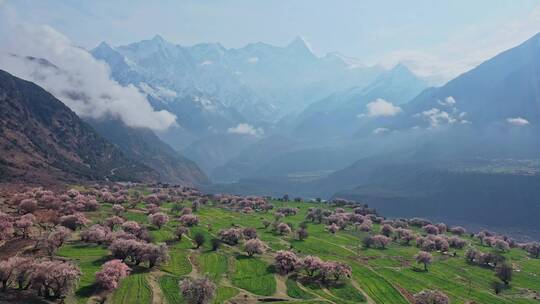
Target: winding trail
157, 293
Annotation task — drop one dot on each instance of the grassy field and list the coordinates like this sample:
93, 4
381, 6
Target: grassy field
133, 289
170, 289
294, 291
378, 276
213, 265
178, 264
253, 275
89, 258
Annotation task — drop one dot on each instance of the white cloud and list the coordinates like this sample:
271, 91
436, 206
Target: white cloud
247, 129
381, 130
436, 117
76, 78
518, 121
381, 107
157, 92
448, 101
253, 60
206, 62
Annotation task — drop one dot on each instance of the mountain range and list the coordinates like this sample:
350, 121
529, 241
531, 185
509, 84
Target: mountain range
466, 152
212, 88
265, 120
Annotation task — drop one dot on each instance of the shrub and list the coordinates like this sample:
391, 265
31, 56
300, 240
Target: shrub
424, 258
117, 209
249, 233
504, 273
254, 246
197, 291
74, 221
54, 278
189, 219
283, 229
199, 240
387, 230
159, 219
431, 229
380, 241
533, 249
286, 261
230, 236
111, 274
431, 297
458, 230
96, 234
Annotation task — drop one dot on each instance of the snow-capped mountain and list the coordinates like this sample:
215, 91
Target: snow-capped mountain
248, 91
260, 81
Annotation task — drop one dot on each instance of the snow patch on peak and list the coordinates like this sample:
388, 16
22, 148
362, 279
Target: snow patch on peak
300, 44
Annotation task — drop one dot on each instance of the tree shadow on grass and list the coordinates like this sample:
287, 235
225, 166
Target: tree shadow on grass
102, 260
418, 269
87, 291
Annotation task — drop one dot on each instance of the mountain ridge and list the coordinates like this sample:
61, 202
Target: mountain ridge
42, 139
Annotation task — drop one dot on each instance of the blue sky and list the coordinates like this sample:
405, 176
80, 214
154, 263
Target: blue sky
435, 38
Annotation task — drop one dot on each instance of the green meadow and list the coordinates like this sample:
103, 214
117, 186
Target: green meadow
382, 276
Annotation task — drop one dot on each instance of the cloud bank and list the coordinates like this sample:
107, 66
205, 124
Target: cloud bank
73, 75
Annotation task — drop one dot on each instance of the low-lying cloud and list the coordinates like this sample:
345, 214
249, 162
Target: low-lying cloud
73, 75
381, 130
381, 107
448, 102
246, 129
518, 121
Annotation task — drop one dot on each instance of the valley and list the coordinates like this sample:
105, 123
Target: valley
212, 152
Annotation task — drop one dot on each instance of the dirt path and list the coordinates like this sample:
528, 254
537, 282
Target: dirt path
192, 258
281, 287
157, 294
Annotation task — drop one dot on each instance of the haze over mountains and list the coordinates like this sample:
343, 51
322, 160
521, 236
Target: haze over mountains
271, 120
355, 131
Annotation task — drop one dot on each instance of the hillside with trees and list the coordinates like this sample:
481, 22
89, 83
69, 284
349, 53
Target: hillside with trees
114, 243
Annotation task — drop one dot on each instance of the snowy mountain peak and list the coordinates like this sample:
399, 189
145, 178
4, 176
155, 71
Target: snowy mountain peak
401, 68
158, 39
104, 46
300, 45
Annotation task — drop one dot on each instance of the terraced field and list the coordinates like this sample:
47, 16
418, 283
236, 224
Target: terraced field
378, 275
133, 289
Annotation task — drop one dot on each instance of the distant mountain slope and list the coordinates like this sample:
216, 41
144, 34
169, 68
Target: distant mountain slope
145, 147
43, 140
338, 114
504, 87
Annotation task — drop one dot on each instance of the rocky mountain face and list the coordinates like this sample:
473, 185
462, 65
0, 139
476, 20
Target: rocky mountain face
143, 146
43, 140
